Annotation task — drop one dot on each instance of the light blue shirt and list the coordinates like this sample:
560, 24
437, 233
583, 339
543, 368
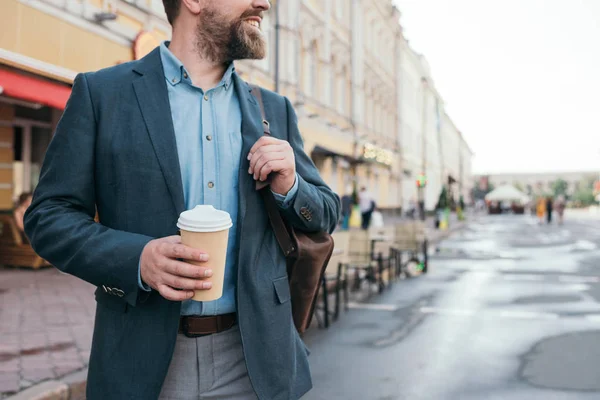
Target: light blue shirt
209, 144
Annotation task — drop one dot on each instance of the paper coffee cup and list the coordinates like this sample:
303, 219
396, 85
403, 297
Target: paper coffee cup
207, 229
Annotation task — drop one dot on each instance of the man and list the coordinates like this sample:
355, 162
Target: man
346, 203
143, 141
367, 205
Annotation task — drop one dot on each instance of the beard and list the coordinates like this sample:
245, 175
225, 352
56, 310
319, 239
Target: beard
221, 40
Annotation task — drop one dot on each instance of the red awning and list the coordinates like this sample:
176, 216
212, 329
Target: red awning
35, 90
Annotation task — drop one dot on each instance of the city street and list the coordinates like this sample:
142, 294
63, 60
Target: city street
510, 310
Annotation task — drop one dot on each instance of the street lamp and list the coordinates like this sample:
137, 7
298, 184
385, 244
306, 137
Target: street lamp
277, 27
421, 188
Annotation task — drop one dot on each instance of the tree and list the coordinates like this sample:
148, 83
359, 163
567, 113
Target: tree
559, 187
585, 193
443, 201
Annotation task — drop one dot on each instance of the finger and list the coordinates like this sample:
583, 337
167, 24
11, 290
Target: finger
175, 295
186, 270
180, 251
272, 166
265, 158
270, 148
264, 140
178, 282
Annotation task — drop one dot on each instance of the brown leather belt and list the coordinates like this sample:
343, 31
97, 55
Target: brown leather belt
193, 326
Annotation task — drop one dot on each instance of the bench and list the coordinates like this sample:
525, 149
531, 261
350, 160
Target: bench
15, 249
409, 239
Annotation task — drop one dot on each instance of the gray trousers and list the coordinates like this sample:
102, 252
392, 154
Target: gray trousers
208, 368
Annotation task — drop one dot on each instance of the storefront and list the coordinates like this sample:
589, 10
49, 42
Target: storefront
30, 107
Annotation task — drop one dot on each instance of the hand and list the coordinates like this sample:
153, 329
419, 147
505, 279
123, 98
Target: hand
173, 279
273, 155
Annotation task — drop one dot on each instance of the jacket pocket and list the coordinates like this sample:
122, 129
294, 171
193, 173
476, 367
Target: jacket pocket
282, 289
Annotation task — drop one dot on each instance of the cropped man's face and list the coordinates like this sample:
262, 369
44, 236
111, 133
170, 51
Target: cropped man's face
230, 30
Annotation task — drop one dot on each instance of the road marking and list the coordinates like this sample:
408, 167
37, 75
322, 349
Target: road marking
585, 245
593, 318
578, 279
371, 306
523, 277
446, 311
487, 313
527, 315
548, 278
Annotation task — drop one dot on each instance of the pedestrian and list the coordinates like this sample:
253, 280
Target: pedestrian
367, 205
144, 141
549, 206
346, 202
541, 209
560, 208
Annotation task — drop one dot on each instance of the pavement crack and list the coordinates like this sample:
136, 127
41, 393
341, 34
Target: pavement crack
414, 319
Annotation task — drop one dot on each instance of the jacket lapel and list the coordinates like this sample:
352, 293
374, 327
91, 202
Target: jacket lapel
153, 99
251, 132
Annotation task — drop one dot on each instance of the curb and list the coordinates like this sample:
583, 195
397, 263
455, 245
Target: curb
69, 387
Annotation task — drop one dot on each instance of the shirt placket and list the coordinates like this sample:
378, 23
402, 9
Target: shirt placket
209, 166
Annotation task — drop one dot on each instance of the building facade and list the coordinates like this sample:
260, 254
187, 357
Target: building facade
367, 109
432, 146
44, 44
344, 89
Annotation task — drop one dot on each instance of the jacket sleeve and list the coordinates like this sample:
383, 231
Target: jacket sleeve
316, 207
60, 221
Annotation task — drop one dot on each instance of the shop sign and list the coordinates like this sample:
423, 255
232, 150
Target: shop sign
377, 154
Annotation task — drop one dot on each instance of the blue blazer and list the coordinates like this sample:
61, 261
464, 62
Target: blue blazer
114, 151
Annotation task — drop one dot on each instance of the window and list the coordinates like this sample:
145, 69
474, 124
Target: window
340, 90
311, 69
338, 9
334, 93
314, 69
267, 63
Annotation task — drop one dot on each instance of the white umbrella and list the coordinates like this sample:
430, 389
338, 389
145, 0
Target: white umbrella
507, 193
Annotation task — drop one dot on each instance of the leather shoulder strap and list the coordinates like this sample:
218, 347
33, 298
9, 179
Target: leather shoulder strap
265, 123
281, 232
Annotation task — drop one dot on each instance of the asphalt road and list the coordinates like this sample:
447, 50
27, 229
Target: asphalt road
510, 310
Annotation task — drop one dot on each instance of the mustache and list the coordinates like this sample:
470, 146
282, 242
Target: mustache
252, 13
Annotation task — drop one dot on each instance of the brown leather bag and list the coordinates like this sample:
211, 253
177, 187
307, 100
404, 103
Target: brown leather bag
306, 254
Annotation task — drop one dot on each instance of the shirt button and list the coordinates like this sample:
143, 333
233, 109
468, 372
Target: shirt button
206, 97
211, 185
208, 137
185, 75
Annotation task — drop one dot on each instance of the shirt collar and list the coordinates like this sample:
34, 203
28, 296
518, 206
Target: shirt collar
175, 72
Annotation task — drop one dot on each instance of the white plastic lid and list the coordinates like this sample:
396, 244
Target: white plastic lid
204, 218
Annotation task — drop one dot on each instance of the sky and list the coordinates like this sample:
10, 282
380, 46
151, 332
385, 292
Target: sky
519, 78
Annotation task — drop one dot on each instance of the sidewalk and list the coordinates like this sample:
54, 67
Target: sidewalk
46, 321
